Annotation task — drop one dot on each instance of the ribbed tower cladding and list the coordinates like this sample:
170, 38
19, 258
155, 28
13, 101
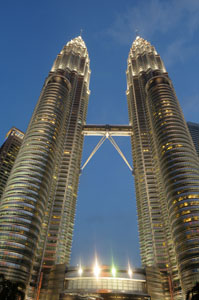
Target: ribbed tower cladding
74, 59
38, 205
194, 131
57, 229
8, 154
166, 175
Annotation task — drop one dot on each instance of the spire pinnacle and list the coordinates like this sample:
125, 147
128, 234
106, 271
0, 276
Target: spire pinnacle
81, 30
136, 33
77, 41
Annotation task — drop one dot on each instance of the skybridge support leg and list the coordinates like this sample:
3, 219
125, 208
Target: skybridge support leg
99, 144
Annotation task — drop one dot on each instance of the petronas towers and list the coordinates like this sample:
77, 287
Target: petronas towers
37, 207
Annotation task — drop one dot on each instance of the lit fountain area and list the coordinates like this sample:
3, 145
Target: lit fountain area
97, 283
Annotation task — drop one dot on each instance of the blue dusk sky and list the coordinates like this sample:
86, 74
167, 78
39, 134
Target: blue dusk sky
34, 32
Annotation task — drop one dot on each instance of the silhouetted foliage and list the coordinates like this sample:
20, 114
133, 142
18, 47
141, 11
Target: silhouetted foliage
11, 290
194, 293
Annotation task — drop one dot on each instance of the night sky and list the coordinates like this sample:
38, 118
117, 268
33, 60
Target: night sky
34, 32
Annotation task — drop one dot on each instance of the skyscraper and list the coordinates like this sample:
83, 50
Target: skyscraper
194, 131
166, 172
38, 205
8, 154
57, 231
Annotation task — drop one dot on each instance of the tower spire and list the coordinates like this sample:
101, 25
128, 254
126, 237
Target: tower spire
136, 33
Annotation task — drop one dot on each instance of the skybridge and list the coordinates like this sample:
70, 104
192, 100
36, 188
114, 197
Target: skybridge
107, 132
113, 130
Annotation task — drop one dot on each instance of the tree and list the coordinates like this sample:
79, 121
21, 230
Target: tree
11, 290
194, 293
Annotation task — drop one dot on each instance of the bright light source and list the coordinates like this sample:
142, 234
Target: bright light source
130, 272
113, 271
96, 269
80, 271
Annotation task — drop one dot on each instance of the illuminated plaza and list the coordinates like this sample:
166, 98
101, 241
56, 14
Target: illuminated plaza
99, 282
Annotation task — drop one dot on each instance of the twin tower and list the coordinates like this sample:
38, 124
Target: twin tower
37, 207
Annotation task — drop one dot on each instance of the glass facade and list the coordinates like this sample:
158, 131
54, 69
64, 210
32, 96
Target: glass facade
8, 154
180, 172
38, 205
57, 228
104, 283
26, 194
194, 131
166, 178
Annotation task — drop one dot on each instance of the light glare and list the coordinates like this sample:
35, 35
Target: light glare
80, 271
96, 270
130, 272
113, 270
